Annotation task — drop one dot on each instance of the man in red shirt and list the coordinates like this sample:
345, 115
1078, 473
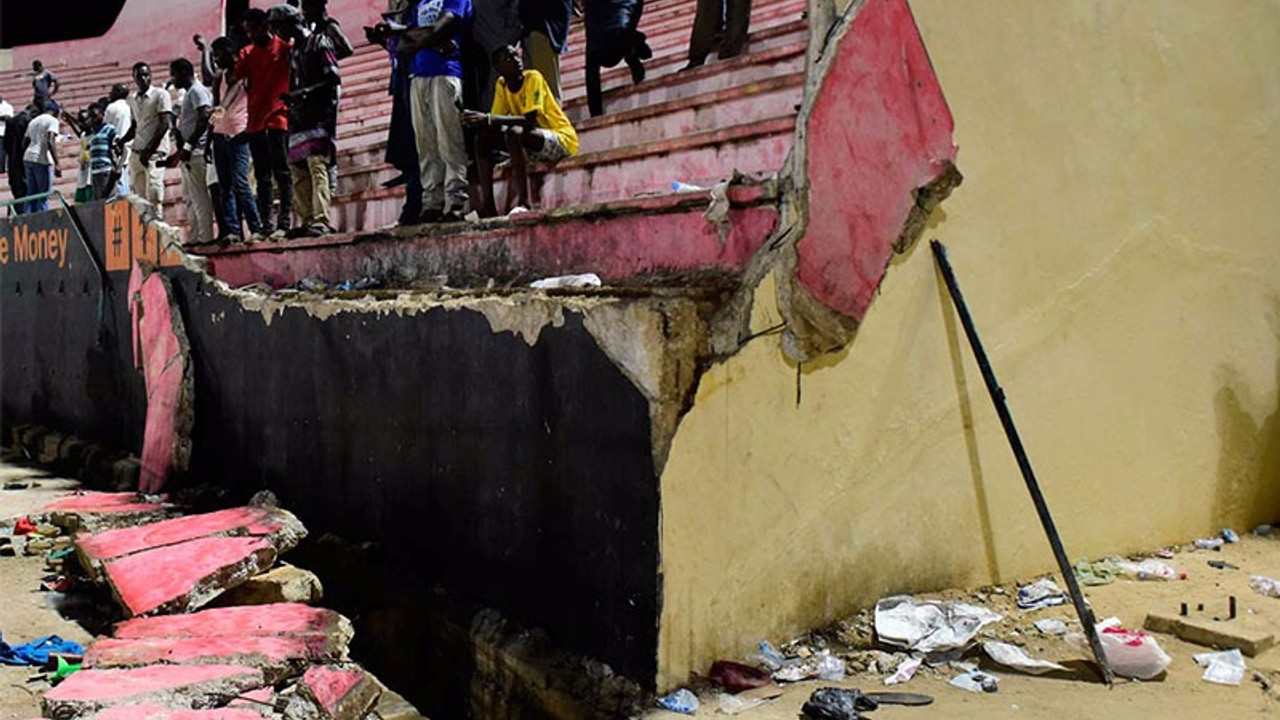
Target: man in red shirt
264, 65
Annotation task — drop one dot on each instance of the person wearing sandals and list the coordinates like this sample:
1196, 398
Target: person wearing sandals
313, 118
526, 120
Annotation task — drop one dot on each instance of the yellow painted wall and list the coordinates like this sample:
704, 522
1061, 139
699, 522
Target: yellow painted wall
1118, 238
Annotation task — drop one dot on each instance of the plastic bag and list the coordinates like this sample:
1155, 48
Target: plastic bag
837, 704
1148, 570
1265, 586
1131, 653
830, 667
681, 701
1224, 668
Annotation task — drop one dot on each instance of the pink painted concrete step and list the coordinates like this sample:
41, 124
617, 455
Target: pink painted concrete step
277, 656
279, 619
156, 712
102, 511
342, 693
279, 526
184, 577
174, 686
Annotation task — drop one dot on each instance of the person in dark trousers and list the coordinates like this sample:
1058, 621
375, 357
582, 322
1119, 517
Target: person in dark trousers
15, 133
613, 37
546, 37
313, 117
40, 153
43, 83
264, 65
402, 147
726, 20
526, 120
236, 206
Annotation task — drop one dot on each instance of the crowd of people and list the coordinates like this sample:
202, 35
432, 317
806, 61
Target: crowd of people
265, 99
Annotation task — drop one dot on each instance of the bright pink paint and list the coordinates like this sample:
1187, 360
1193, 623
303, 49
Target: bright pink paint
278, 619
116, 685
163, 368
329, 685
92, 501
615, 248
147, 580
253, 650
155, 712
880, 128
236, 521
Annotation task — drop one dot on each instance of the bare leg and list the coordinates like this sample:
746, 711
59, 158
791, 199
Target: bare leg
519, 165
485, 143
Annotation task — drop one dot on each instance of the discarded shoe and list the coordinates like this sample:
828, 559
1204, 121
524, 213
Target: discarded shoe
838, 704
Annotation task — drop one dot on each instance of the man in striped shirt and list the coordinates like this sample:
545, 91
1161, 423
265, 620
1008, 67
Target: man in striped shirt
103, 165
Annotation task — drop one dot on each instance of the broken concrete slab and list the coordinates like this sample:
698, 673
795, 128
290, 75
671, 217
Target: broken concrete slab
280, 527
161, 338
264, 620
277, 656
341, 692
96, 512
1250, 638
283, 584
172, 686
185, 577
156, 712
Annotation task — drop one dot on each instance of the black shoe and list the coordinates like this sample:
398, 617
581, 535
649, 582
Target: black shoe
642, 49
694, 64
401, 179
295, 233
637, 69
428, 217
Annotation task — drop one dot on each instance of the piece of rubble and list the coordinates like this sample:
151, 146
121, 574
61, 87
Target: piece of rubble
277, 656
95, 512
172, 686
283, 584
280, 527
184, 577
341, 693
1250, 639
282, 619
156, 712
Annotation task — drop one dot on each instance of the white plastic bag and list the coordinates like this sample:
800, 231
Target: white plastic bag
1147, 570
929, 626
1131, 653
1265, 586
1225, 668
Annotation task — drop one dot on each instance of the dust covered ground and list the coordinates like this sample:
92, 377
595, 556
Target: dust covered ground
1181, 693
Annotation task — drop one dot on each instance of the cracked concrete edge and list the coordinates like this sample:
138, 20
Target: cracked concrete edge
185, 412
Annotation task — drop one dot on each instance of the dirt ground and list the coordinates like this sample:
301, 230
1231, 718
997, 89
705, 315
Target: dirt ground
27, 613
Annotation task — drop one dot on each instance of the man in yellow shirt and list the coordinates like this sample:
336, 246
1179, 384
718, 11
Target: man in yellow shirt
526, 119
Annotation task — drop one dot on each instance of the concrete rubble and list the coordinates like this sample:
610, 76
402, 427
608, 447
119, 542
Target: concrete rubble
172, 660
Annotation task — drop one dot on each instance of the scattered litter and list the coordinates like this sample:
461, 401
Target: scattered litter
1012, 656
975, 681
588, 280
1222, 565
906, 670
929, 626
1224, 668
1265, 586
1131, 653
830, 667
837, 704
736, 677
1041, 594
24, 526
1230, 535
681, 701
1165, 553
37, 652
16, 485
822, 666
1093, 574
1262, 530
732, 704
717, 213
1049, 626
769, 656
1210, 543
1148, 570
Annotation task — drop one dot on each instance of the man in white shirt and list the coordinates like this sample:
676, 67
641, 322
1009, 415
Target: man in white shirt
41, 155
193, 135
152, 112
6, 112
120, 117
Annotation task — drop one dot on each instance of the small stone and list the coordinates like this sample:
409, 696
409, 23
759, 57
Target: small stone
284, 584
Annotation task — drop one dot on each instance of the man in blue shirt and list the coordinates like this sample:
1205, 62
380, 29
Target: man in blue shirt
433, 40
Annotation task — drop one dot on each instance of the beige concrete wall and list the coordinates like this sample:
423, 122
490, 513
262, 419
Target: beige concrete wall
1118, 238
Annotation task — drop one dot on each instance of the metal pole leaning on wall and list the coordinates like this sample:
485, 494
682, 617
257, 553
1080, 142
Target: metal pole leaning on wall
1024, 463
